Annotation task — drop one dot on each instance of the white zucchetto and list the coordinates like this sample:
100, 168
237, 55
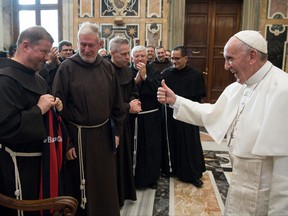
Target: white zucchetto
253, 39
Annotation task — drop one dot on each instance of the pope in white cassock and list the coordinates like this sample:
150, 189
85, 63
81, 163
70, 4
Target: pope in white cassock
253, 113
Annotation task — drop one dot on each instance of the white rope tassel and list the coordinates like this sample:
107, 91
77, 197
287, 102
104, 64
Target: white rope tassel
81, 165
167, 138
18, 191
135, 145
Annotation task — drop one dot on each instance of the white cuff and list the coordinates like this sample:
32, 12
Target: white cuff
176, 103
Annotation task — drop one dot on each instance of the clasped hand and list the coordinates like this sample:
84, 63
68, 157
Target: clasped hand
141, 75
46, 101
135, 106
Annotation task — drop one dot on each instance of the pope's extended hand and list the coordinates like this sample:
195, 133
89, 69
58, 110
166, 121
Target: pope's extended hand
165, 95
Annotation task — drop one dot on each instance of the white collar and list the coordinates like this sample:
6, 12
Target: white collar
260, 74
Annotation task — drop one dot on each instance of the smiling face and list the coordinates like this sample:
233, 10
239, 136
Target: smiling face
160, 54
237, 60
88, 45
37, 54
178, 61
150, 53
66, 51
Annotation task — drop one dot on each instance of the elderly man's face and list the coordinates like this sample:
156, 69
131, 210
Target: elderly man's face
237, 61
102, 52
88, 47
139, 56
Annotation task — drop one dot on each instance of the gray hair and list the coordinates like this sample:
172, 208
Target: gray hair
102, 49
34, 35
115, 42
137, 49
246, 48
89, 28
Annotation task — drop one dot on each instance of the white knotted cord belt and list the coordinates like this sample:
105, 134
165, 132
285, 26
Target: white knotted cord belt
136, 136
18, 189
167, 138
81, 163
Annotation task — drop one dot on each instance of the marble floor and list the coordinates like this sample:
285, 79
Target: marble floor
173, 197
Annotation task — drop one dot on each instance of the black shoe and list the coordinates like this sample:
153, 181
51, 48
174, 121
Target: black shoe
197, 183
153, 185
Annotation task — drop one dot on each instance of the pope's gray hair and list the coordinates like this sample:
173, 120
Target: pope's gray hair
246, 48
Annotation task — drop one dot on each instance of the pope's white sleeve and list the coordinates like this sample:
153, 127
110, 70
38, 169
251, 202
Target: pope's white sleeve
187, 111
278, 201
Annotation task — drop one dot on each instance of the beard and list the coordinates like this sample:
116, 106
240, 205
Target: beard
87, 58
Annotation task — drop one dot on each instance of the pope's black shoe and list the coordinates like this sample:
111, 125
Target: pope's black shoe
197, 183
